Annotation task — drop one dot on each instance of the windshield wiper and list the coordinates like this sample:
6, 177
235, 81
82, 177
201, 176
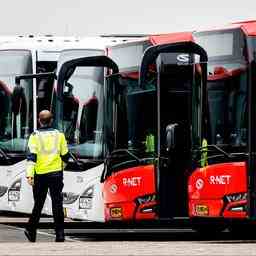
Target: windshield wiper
82, 163
131, 154
217, 148
4, 154
220, 150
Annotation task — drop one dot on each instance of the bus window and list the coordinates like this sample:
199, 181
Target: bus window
16, 107
82, 120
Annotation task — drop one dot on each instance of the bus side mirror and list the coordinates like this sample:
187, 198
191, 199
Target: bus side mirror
171, 131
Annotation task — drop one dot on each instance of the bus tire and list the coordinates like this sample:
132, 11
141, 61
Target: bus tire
208, 227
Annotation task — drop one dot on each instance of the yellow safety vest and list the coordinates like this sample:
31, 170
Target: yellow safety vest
204, 153
48, 146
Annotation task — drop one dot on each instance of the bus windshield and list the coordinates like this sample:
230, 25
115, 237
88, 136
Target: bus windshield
253, 42
227, 98
140, 115
82, 119
16, 120
227, 88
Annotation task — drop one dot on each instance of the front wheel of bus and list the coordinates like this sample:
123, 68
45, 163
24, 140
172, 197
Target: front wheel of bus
242, 229
208, 227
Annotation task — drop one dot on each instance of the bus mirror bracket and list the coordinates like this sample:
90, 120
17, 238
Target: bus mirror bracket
171, 131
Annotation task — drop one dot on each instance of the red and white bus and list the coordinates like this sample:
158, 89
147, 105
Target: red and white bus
141, 180
222, 184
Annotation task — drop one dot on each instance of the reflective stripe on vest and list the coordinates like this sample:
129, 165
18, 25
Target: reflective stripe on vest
43, 148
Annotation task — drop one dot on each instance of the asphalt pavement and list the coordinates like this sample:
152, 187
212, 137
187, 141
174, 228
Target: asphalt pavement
125, 242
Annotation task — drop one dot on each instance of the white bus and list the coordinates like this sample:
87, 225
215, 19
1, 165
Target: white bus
18, 118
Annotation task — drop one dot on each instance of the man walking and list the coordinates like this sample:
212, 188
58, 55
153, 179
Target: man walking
47, 149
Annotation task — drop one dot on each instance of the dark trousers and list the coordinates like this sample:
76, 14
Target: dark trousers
43, 182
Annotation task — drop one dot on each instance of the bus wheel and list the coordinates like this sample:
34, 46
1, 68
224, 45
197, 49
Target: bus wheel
207, 227
242, 229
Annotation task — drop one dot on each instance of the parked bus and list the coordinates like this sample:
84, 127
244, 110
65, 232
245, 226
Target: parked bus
20, 56
79, 114
222, 185
144, 179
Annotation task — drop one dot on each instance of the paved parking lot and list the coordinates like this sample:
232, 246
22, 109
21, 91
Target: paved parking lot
116, 242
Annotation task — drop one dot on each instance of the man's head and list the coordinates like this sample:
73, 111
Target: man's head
45, 118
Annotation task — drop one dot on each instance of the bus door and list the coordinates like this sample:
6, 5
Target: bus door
178, 67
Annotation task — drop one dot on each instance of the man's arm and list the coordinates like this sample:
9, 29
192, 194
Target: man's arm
65, 158
64, 154
31, 159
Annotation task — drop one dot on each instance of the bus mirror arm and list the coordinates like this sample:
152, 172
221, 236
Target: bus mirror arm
171, 134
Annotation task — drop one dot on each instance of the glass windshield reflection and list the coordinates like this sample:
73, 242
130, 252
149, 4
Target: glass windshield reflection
15, 103
82, 120
141, 114
227, 88
227, 97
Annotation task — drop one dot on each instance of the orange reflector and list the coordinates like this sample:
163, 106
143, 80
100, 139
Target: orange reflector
202, 210
65, 212
116, 212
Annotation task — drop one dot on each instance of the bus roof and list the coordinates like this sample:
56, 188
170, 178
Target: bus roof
59, 43
171, 38
248, 27
157, 39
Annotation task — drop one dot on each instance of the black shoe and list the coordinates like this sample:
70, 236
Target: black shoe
31, 235
60, 239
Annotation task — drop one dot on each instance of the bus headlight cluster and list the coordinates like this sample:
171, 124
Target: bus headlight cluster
14, 191
146, 199
69, 197
241, 208
236, 197
85, 200
3, 190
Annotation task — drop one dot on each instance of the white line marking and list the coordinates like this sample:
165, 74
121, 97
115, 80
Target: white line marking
45, 234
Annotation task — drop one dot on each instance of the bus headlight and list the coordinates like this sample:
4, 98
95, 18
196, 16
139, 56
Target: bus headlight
85, 200
3, 190
146, 199
69, 197
14, 191
236, 197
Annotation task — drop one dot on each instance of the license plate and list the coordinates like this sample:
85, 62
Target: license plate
13, 195
85, 203
116, 212
202, 210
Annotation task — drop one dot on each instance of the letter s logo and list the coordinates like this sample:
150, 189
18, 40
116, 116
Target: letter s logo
183, 58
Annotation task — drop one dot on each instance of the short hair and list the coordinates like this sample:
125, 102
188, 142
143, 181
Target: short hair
45, 117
